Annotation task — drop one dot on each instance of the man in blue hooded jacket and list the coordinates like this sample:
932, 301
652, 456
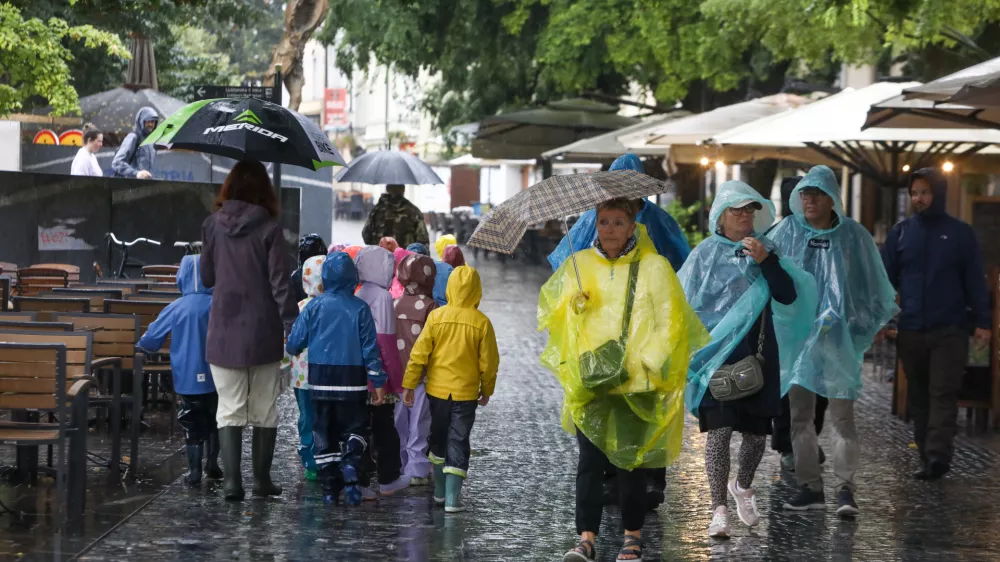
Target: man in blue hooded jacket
186, 322
933, 260
133, 160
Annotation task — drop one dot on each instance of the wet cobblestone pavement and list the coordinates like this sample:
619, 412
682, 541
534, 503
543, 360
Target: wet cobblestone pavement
521, 489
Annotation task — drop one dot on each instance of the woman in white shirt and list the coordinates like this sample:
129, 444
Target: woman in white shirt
85, 162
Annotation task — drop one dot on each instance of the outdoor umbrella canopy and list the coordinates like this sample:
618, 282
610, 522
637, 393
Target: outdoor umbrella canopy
555, 198
978, 85
247, 128
388, 167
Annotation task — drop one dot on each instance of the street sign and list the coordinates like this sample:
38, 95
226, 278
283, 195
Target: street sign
265, 93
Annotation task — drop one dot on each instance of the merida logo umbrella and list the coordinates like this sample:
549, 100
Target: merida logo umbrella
247, 129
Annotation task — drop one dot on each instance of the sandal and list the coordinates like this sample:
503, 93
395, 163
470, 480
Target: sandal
582, 552
632, 547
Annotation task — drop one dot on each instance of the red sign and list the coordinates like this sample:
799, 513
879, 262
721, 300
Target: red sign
335, 108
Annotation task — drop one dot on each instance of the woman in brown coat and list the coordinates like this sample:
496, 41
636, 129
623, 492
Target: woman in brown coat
245, 259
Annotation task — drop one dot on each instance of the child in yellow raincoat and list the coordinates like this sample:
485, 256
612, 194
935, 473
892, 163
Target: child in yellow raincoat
620, 348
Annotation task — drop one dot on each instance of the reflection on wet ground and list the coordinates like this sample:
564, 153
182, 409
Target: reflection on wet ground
521, 491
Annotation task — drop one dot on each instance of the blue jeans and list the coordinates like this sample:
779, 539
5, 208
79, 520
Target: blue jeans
305, 428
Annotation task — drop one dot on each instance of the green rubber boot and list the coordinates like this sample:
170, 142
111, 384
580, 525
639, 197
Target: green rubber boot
439, 484
453, 490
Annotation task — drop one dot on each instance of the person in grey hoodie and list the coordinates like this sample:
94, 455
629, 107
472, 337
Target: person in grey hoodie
132, 160
245, 259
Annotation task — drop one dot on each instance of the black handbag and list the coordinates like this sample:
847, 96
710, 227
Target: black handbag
603, 368
743, 378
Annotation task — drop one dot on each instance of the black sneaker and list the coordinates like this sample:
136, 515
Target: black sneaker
806, 500
934, 470
846, 507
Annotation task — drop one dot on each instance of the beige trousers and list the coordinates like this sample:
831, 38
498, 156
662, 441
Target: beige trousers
247, 396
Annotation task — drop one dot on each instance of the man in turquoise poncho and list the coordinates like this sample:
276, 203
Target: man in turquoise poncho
855, 301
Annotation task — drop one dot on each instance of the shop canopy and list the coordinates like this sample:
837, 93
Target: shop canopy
833, 128
608, 147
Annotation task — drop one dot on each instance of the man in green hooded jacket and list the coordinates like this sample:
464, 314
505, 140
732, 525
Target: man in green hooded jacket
397, 217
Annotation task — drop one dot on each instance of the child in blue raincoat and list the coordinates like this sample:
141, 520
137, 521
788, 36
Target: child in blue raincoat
186, 322
339, 331
855, 302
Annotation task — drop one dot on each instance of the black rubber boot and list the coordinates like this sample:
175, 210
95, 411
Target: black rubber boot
193, 476
263, 454
231, 441
212, 470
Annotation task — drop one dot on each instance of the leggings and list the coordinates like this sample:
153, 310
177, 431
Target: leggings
717, 461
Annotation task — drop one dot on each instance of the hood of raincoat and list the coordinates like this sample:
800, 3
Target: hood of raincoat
312, 276
397, 288
735, 193
417, 274
239, 218
340, 275
465, 290
443, 242
822, 178
352, 251
453, 256
375, 265
418, 248
398, 255
939, 186
628, 161
189, 279
311, 245
141, 116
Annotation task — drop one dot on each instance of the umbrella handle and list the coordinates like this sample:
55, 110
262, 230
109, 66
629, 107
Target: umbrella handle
572, 255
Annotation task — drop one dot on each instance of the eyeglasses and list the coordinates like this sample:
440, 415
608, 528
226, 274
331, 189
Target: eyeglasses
743, 211
811, 194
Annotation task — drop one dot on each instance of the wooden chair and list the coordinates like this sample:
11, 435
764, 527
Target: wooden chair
4, 293
33, 378
163, 287
46, 307
128, 286
96, 296
158, 365
32, 280
72, 271
158, 294
115, 338
80, 364
18, 316
36, 326
160, 273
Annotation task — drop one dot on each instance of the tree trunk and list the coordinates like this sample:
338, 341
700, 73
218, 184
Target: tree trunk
302, 18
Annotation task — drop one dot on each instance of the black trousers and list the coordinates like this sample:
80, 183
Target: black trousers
340, 440
934, 362
781, 437
451, 428
196, 416
385, 443
590, 490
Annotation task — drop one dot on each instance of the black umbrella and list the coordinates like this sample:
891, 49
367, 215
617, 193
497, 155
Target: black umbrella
388, 167
247, 128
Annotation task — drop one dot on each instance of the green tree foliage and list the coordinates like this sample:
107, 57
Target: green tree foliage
493, 54
687, 217
245, 31
35, 58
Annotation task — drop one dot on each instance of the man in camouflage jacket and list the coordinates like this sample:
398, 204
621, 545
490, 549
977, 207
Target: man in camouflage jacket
395, 216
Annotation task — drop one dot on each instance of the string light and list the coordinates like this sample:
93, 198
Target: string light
704, 160
720, 164
906, 167
947, 166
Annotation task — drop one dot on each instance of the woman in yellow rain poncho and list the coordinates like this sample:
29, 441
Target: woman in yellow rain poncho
620, 348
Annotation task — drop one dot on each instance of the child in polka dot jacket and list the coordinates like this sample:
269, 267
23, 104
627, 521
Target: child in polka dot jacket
416, 275
456, 353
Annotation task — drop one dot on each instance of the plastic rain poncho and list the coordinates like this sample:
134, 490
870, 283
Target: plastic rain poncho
638, 424
855, 296
661, 228
728, 291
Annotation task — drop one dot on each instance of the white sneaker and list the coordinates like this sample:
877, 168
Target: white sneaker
746, 504
719, 528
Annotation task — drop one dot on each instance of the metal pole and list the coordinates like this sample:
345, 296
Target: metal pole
572, 255
388, 142
276, 98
